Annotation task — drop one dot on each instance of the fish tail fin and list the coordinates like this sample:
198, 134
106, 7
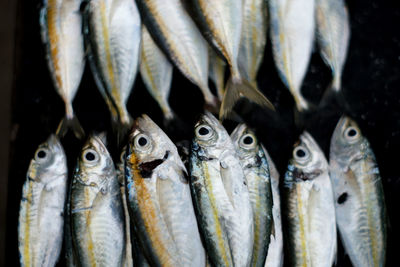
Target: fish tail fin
333, 95
211, 101
70, 123
121, 129
235, 88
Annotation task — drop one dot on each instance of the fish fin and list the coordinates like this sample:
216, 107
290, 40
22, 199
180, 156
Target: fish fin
301, 117
121, 130
235, 89
70, 123
333, 95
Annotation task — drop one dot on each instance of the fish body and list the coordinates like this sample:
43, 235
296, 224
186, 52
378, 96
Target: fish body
253, 38
292, 26
256, 170
221, 197
216, 73
221, 24
97, 215
112, 34
41, 216
61, 24
156, 72
275, 248
159, 199
333, 32
359, 198
309, 208
176, 34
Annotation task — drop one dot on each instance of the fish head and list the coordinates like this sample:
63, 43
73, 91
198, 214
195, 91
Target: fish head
95, 166
308, 159
346, 139
209, 133
49, 162
245, 142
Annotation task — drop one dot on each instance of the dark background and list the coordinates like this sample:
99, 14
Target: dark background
371, 83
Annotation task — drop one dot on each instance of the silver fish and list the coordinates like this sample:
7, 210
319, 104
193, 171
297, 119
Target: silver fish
253, 38
220, 194
41, 215
221, 24
97, 215
156, 72
309, 208
113, 31
359, 198
275, 248
256, 170
333, 32
159, 199
292, 35
61, 24
216, 72
178, 37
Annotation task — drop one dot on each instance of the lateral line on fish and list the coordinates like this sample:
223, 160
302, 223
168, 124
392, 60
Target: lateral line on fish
81, 209
27, 229
302, 226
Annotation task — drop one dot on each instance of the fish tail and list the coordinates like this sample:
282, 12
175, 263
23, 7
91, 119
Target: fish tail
70, 122
333, 95
237, 87
211, 101
121, 130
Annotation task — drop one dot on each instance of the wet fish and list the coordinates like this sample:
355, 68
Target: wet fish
61, 24
292, 35
220, 194
41, 215
159, 199
256, 170
156, 72
216, 72
253, 38
275, 248
221, 24
333, 32
112, 33
178, 37
97, 215
309, 210
359, 198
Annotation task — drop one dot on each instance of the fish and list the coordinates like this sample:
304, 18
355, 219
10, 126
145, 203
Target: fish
220, 195
275, 248
216, 72
221, 24
159, 199
174, 31
253, 39
112, 30
70, 253
41, 214
308, 208
97, 213
61, 34
156, 72
256, 170
333, 34
292, 26
358, 193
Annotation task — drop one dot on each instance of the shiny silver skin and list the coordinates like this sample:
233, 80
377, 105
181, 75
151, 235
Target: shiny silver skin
253, 38
292, 26
41, 214
275, 248
112, 34
97, 215
156, 72
333, 32
174, 31
220, 195
256, 170
159, 199
308, 206
216, 72
61, 30
359, 198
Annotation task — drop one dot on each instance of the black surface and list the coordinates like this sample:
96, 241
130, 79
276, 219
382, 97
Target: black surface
371, 83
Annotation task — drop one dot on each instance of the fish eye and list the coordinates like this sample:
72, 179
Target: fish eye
301, 154
41, 155
248, 141
204, 132
352, 134
142, 142
90, 156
